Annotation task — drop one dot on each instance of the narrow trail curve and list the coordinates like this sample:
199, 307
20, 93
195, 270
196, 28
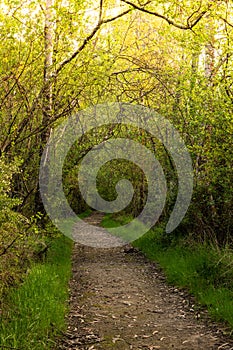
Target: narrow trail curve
119, 300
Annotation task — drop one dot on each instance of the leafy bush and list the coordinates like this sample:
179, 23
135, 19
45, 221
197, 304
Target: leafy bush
18, 234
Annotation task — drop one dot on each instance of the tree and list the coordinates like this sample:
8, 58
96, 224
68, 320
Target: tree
173, 57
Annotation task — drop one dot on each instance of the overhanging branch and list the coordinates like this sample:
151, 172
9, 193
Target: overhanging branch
88, 38
188, 26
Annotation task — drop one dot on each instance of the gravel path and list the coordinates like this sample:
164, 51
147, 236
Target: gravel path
119, 300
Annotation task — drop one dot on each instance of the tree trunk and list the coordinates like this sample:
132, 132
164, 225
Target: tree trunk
47, 108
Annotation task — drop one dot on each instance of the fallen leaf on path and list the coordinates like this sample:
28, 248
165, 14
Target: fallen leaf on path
222, 346
147, 336
114, 340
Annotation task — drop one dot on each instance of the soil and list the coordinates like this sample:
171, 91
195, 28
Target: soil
120, 300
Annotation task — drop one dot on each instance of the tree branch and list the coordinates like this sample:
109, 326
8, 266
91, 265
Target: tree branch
88, 38
74, 55
5, 249
227, 22
189, 26
101, 11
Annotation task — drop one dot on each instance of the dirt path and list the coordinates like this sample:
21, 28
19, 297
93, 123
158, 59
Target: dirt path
119, 300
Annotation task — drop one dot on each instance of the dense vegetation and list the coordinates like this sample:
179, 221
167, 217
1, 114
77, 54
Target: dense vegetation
59, 57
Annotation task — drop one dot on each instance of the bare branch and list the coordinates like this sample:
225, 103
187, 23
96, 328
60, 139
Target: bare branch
227, 22
189, 26
101, 11
194, 13
20, 74
5, 249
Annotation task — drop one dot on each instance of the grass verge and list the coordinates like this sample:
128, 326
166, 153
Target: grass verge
111, 220
128, 234
85, 214
35, 311
204, 270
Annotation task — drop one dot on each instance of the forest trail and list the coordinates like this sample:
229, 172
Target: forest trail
119, 300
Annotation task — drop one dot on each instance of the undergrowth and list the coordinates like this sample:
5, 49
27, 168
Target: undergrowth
34, 312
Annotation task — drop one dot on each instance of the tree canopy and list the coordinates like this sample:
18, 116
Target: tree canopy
59, 57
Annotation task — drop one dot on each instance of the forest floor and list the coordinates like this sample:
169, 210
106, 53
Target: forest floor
120, 300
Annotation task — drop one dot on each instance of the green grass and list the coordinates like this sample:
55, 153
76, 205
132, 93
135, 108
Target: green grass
34, 312
113, 221
110, 220
205, 271
85, 214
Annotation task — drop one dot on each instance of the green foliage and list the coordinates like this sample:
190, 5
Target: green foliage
202, 269
7, 172
186, 76
13, 241
34, 312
